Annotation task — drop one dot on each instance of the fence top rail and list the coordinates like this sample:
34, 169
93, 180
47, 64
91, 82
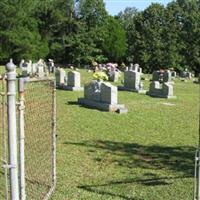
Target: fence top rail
24, 80
40, 79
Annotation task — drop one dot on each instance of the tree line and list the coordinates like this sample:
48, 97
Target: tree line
81, 32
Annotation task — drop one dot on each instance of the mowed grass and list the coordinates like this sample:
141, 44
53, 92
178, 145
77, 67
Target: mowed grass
2, 69
147, 154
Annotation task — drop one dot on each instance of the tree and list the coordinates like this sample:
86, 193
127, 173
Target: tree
80, 31
173, 43
92, 12
76, 38
114, 45
190, 32
19, 35
126, 18
85, 43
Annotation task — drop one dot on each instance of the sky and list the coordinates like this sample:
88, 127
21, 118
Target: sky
115, 6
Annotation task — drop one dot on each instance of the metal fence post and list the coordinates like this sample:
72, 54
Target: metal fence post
22, 139
54, 134
12, 130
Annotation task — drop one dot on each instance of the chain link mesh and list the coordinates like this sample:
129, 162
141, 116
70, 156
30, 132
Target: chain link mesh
4, 189
39, 140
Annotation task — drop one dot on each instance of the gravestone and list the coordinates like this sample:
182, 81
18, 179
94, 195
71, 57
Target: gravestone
92, 91
113, 76
108, 93
60, 77
140, 70
157, 76
30, 67
130, 67
34, 69
136, 67
162, 76
102, 96
168, 90
167, 77
40, 71
21, 64
51, 66
173, 74
26, 68
197, 80
185, 75
132, 81
161, 85
73, 81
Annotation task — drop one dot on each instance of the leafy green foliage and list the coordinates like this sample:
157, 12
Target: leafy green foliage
81, 31
162, 37
19, 34
114, 45
92, 12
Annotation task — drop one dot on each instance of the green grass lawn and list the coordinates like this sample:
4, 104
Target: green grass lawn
147, 154
2, 69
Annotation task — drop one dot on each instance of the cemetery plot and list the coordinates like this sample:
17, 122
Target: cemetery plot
146, 154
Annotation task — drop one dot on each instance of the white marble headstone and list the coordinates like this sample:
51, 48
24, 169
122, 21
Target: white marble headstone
74, 79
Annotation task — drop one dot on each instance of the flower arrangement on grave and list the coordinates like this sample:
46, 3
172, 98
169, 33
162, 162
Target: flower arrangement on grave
100, 76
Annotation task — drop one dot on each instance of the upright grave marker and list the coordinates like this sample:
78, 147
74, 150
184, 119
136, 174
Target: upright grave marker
72, 82
60, 77
102, 96
132, 80
161, 85
26, 68
185, 75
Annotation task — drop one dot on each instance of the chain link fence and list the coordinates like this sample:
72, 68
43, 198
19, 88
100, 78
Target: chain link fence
39, 121
27, 136
4, 183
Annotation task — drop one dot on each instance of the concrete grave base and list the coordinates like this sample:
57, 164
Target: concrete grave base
122, 111
184, 80
102, 106
160, 96
122, 88
70, 88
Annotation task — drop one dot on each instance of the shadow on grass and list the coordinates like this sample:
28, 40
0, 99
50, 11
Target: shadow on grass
72, 103
132, 155
98, 191
180, 160
153, 181
147, 182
